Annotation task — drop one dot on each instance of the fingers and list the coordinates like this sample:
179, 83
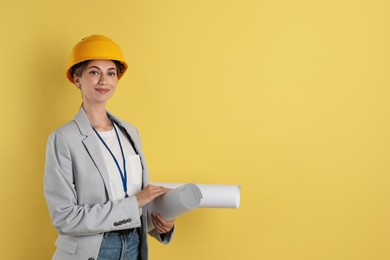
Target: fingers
149, 193
155, 191
162, 225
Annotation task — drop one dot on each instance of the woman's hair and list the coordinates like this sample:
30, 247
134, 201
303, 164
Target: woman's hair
79, 68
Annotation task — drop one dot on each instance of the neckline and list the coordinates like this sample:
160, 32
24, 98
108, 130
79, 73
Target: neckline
107, 133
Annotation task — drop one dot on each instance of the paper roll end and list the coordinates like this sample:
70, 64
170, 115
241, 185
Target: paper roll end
238, 199
190, 195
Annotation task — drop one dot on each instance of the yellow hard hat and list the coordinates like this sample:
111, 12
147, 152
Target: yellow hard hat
95, 47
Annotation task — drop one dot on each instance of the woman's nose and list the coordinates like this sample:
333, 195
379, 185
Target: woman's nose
102, 80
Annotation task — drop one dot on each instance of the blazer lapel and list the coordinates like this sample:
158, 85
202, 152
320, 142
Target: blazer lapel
91, 144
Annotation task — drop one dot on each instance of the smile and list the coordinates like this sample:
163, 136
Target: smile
102, 90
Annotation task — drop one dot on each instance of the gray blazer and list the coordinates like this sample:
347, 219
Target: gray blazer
77, 192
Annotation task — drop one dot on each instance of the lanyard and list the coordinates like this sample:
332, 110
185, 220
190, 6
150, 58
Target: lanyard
124, 173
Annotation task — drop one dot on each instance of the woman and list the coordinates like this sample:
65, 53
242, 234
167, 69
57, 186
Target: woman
96, 179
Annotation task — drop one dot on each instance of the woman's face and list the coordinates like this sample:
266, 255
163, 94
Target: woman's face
98, 81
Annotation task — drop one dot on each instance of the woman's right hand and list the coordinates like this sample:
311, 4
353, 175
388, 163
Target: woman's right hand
149, 193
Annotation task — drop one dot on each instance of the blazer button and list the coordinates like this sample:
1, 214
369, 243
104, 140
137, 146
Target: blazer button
91, 258
128, 220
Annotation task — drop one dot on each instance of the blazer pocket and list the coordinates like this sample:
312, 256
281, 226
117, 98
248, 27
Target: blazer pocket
66, 244
135, 169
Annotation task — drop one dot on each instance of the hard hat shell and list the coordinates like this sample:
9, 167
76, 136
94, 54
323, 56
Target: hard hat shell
95, 47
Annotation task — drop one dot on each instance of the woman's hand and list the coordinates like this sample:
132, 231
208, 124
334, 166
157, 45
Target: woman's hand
162, 226
149, 193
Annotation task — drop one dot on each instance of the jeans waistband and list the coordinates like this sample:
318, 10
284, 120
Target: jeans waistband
123, 231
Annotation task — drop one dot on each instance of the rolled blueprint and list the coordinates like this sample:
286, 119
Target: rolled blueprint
176, 202
214, 196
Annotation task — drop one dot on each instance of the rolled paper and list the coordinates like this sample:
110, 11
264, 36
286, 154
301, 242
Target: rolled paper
214, 195
176, 202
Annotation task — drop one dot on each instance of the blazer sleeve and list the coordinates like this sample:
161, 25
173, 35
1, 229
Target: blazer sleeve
71, 217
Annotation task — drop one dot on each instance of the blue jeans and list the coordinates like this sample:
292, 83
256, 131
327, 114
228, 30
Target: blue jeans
116, 246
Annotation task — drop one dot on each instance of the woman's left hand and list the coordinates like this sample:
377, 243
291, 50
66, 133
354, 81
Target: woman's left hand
162, 226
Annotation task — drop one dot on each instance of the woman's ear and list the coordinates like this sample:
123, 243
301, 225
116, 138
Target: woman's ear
76, 80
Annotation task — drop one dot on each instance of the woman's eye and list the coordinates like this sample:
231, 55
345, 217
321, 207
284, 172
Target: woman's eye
94, 72
112, 74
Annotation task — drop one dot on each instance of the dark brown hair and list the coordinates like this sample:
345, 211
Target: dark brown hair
79, 68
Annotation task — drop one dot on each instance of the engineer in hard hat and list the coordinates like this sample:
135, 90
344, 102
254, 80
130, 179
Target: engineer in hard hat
96, 179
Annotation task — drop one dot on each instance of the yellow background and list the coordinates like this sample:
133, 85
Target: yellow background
289, 99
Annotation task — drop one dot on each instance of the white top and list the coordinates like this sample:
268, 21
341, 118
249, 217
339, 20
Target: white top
133, 164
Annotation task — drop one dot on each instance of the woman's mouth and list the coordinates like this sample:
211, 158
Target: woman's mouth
102, 90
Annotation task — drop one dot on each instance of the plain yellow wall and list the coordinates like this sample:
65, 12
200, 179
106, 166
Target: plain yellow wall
289, 99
